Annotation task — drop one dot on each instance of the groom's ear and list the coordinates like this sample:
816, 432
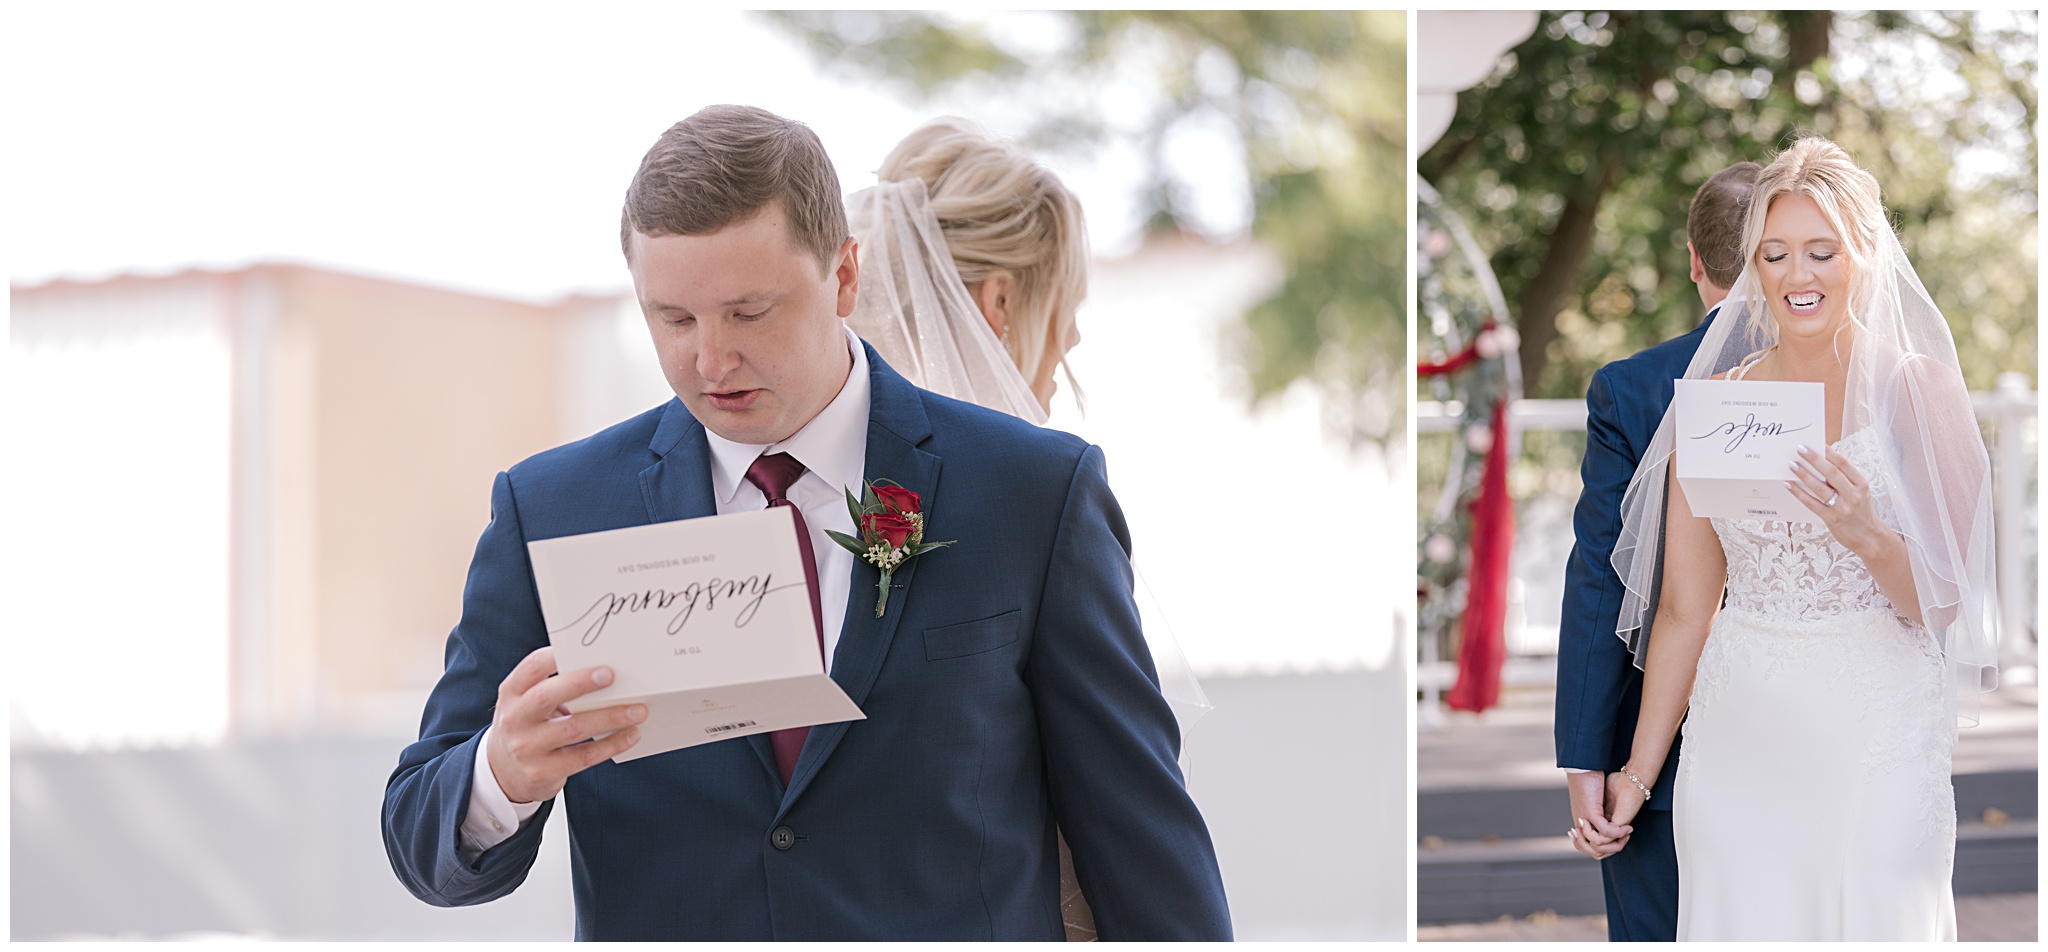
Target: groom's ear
1699, 268
846, 271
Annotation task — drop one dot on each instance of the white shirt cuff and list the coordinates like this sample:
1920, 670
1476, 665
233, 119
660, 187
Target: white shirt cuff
492, 817
1565, 769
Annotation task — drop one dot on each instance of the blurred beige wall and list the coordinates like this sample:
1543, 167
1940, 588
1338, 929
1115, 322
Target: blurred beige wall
369, 419
413, 398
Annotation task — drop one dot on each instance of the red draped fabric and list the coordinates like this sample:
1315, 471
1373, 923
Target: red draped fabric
1484, 646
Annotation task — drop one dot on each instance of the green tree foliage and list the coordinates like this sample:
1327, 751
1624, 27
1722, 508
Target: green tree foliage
1575, 162
1317, 100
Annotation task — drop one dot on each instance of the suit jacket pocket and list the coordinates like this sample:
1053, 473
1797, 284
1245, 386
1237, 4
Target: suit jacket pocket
971, 637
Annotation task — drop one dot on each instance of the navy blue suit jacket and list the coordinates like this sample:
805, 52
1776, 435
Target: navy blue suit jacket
1007, 688
1599, 690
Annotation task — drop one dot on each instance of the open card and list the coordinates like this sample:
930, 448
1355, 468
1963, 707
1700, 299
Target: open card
706, 621
1735, 442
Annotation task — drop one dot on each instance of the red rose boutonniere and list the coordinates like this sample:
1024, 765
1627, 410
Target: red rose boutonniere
891, 531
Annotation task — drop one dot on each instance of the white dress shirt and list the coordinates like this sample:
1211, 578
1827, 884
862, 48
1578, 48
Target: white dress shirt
834, 450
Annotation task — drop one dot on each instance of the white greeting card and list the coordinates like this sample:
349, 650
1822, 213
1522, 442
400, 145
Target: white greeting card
706, 621
1735, 442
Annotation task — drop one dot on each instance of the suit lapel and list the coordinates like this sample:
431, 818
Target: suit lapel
678, 486
897, 425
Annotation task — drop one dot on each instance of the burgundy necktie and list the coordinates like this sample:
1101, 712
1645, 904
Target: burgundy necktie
773, 475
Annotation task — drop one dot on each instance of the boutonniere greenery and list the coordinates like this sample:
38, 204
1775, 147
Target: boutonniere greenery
891, 531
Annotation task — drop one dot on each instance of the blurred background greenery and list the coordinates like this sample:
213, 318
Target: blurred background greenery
1573, 164
1313, 103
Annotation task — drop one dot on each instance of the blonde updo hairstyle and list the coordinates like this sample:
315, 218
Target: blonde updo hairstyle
1001, 211
1848, 198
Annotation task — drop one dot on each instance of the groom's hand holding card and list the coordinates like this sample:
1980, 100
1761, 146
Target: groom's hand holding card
1735, 441
706, 621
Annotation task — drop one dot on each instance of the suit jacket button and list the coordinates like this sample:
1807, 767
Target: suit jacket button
783, 838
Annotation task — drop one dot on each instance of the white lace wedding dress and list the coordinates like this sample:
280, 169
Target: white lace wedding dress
1813, 800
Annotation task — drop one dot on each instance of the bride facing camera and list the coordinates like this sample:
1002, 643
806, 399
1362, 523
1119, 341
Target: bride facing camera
1820, 669
974, 259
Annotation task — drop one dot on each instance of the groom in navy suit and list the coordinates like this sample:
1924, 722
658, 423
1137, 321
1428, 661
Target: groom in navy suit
1008, 692
1599, 689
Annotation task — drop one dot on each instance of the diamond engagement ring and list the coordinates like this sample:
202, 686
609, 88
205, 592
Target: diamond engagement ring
1831, 499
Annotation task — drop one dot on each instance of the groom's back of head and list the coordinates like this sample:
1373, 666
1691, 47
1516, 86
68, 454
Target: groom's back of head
723, 165
1714, 222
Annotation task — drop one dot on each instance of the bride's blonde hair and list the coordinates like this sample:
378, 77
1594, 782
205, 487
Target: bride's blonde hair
1848, 198
1001, 211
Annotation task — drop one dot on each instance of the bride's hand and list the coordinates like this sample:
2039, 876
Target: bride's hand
1836, 492
1624, 799
1591, 833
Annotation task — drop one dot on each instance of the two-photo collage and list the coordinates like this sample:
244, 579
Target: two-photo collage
643, 473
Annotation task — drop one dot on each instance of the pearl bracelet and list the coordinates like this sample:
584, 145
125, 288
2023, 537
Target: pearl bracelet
1632, 778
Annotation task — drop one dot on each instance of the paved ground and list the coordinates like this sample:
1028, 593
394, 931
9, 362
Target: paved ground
2010, 918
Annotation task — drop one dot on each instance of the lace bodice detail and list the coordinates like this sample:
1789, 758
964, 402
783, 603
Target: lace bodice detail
1797, 571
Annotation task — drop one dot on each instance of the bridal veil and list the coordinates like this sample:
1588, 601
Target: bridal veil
915, 310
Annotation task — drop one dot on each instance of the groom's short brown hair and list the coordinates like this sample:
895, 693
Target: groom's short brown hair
1714, 222
725, 164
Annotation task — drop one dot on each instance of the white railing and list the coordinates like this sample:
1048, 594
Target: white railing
2013, 405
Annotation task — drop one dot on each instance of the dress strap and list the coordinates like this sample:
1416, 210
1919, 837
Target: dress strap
1751, 361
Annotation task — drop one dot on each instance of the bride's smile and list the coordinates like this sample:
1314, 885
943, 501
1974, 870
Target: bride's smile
1803, 270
